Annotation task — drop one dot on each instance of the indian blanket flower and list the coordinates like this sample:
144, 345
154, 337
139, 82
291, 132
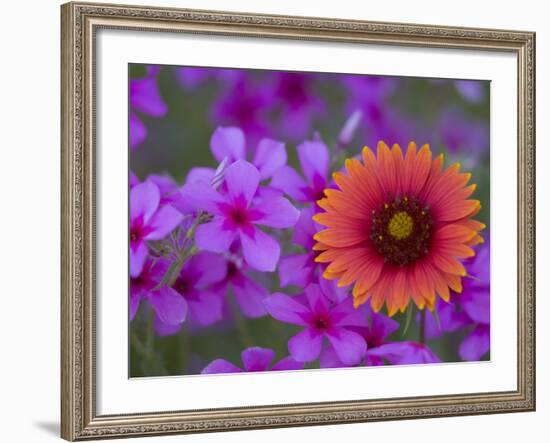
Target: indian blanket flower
398, 227
149, 220
168, 305
321, 319
145, 99
381, 350
468, 310
255, 359
314, 162
236, 216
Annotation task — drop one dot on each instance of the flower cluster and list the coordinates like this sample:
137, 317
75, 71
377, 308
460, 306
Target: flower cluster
284, 249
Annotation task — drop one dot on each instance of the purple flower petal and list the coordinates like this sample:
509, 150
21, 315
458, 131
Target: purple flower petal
476, 303
214, 237
349, 346
170, 306
205, 307
296, 270
133, 180
138, 130
250, 297
138, 255
470, 90
314, 160
228, 142
288, 181
329, 359
191, 77
135, 299
257, 359
221, 366
242, 179
277, 212
286, 309
163, 329
145, 97
476, 344
164, 222
344, 314
405, 353
287, 364
305, 229
260, 251
208, 268
382, 326
200, 174
269, 157
306, 345
144, 201
316, 299
202, 196
331, 290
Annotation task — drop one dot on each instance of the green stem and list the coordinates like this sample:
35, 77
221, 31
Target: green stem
138, 346
240, 322
150, 341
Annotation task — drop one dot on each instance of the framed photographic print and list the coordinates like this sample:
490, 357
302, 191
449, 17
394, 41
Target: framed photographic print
281, 221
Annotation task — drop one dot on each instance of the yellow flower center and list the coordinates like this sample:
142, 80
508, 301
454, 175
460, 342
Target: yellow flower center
400, 225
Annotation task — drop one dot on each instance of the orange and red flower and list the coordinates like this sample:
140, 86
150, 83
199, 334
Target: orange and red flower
398, 227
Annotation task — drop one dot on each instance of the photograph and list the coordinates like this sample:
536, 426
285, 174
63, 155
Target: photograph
287, 220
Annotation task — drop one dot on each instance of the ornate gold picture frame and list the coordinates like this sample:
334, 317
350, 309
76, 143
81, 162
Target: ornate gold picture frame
80, 23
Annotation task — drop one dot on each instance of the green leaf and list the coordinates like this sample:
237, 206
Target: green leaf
436, 318
408, 317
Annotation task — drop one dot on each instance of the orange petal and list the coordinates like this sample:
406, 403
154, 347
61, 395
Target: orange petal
456, 250
368, 275
454, 282
386, 168
421, 170
341, 237
447, 264
454, 233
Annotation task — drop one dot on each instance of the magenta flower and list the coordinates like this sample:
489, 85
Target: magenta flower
133, 180
470, 309
244, 104
168, 305
379, 348
405, 353
236, 216
463, 136
314, 161
229, 142
320, 319
196, 283
254, 359
299, 104
249, 294
148, 221
145, 99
